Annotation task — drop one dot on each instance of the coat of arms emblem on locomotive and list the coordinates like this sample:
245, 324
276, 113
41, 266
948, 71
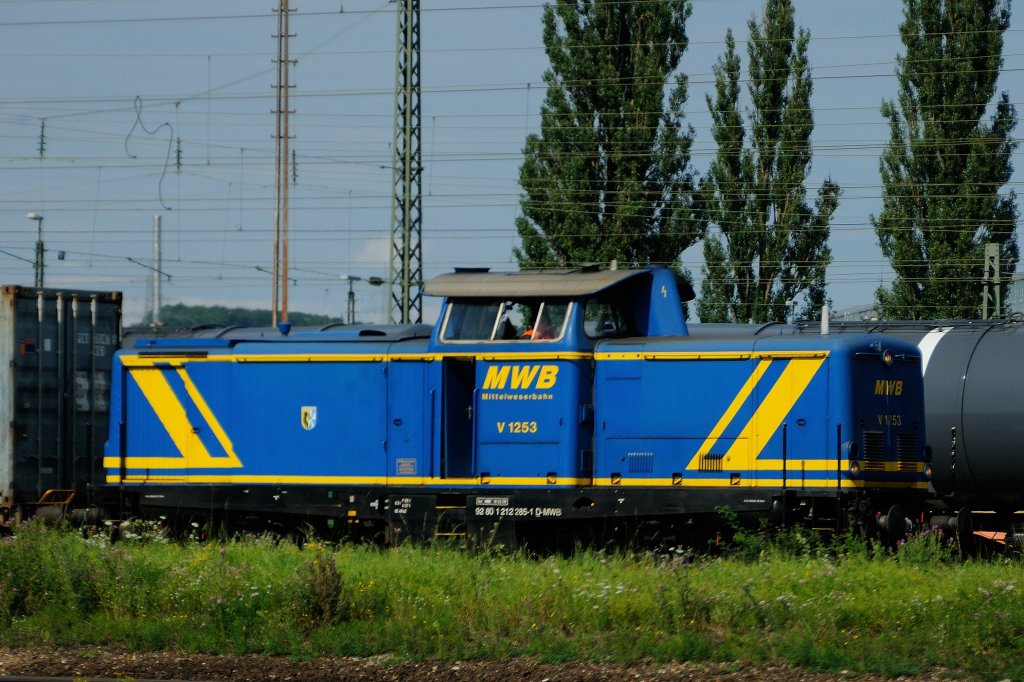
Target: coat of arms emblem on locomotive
308, 417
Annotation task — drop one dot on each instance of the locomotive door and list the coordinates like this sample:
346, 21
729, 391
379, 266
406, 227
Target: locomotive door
408, 450
457, 417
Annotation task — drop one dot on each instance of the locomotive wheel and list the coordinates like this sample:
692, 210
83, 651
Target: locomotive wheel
894, 525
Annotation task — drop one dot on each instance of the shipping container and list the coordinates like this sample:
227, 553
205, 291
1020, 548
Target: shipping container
56, 346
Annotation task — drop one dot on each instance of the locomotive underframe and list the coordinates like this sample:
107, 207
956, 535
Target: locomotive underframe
510, 517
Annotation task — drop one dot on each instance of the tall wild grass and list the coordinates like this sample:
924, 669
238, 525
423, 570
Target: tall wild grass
840, 606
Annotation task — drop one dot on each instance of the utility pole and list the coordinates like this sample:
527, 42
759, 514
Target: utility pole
157, 271
281, 140
40, 264
350, 316
405, 268
991, 286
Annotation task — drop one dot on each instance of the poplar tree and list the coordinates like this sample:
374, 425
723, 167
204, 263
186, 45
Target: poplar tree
765, 245
608, 176
945, 163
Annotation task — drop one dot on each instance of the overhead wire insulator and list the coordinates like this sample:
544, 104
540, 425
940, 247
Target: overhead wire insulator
42, 138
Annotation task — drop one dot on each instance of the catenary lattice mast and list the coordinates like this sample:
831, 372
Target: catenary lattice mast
405, 269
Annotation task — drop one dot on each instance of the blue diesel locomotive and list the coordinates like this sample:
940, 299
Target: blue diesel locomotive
542, 402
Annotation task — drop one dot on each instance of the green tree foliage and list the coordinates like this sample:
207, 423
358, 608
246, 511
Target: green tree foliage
180, 316
944, 166
764, 245
608, 176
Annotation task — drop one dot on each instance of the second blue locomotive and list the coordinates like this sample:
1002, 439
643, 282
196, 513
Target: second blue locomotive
568, 400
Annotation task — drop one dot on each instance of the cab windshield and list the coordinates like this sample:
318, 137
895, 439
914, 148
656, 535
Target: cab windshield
508, 320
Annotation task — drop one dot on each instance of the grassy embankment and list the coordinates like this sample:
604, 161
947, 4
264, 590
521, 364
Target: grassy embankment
842, 608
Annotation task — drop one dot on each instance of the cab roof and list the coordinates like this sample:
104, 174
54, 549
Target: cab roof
569, 283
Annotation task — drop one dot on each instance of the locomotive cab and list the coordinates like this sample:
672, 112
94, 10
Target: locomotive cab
575, 307
517, 364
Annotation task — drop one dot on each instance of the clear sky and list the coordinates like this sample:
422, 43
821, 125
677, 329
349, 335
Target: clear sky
118, 83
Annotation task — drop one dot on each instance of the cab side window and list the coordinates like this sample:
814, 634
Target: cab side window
513, 321
606, 319
547, 321
508, 320
470, 321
